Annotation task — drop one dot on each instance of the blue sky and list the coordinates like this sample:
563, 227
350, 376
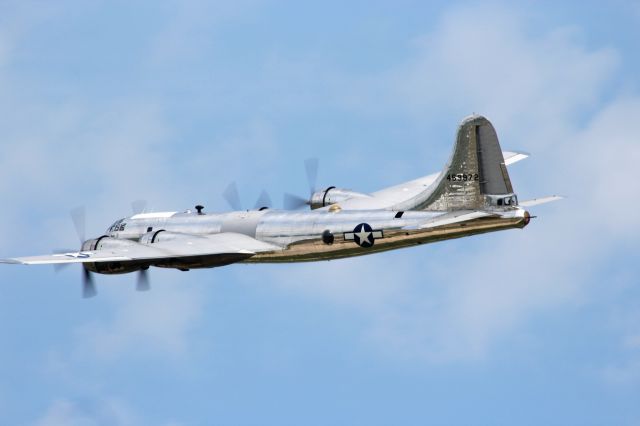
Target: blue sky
104, 103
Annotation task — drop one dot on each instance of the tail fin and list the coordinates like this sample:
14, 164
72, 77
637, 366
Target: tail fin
476, 175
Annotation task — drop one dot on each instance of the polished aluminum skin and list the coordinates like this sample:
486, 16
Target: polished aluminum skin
472, 195
299, 235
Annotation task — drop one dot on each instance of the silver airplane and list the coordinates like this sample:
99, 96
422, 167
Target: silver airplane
472, 195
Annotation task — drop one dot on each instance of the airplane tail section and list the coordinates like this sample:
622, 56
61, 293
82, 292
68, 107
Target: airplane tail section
476, 175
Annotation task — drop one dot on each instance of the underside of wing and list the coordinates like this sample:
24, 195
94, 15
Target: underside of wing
174, 247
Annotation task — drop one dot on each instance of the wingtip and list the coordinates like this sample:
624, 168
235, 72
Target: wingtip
511, 157
542, 200
522, 153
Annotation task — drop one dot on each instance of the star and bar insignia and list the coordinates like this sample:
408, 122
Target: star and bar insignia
363, 235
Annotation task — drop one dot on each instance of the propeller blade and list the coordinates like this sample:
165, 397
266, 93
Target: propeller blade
139, 206
88, 286
57, 267
78, 216
60, 266
311, 168
143, 280
264, 200
294, 202
232, 196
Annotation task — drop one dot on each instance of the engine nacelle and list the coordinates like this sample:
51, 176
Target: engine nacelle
162, 235
333, 195
107, 243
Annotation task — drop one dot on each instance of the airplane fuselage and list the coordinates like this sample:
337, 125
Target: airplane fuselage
473, 194
323, 234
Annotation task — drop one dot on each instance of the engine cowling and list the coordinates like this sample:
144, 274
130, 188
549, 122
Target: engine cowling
106, 243
333, 195
162, 235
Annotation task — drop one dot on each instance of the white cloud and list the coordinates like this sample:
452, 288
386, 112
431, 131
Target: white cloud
157, 324
622, 368
106, 411
190, 31
105, 153
17, 19
538, 89
486, 59
622, 374
608, 150
253, 142
105, 157
632, 341
424, 306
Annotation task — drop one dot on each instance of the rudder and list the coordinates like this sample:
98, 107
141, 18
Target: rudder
476, 175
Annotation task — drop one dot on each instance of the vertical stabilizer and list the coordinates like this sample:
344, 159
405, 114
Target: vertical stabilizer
476, 175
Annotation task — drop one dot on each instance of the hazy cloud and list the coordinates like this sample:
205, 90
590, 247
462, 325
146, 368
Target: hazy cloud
546, 90
157, 323
108, 411
538, 89
489, 59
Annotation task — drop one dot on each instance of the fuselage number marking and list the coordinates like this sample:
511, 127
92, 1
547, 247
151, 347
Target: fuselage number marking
463, 177
118, 226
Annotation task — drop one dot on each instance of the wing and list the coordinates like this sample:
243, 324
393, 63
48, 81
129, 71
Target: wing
71, 257
511, 157
394, 195
185, 246
543, 200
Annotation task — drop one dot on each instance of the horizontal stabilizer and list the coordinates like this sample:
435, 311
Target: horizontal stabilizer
511, 157
543, 200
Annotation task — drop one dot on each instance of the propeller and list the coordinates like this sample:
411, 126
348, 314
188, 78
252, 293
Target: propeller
139, 206
78, 216
143, 280
232, 196
311, 169
295, 202
60, 266
264, 200
88, 286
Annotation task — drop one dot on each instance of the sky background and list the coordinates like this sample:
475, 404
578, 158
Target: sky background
103, 103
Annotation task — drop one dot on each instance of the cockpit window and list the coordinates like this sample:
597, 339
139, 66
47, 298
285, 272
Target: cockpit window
118, 226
